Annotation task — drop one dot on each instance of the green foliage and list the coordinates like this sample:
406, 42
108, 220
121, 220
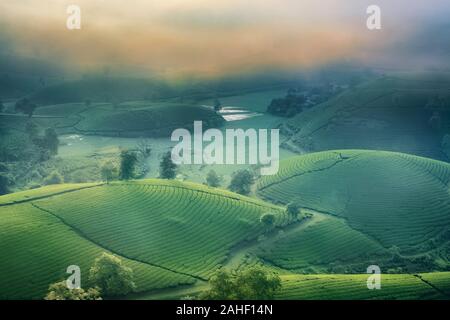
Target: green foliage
268, 219
4, 183
112, 276
51, 140
109, 171
241, 181
288, 106
292, 209
25, 106
32, 129
212, 179
128, 160
167, 169
54, 178
59, 291
248, 284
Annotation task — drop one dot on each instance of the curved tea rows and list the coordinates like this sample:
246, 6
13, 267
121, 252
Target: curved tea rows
327, 241
36, 249
388, 113
354, 287
185, 228
397, 199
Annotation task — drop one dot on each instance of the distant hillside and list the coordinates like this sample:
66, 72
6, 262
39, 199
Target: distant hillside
129, 119
393, 113
101, 89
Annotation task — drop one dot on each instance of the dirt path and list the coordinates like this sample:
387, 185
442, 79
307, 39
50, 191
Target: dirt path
236, 258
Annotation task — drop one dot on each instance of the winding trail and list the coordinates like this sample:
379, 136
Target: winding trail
236, 258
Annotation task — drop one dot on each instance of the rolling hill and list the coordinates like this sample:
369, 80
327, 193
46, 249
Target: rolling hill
392, 113
353, 287
401, 202
129, 119
169, 232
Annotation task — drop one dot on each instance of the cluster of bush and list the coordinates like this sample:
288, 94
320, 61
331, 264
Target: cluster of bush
108, 276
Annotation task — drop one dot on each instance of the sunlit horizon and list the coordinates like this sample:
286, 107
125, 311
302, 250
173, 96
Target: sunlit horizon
212, 38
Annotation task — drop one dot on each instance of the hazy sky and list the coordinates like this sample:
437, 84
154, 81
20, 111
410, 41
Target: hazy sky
172, 37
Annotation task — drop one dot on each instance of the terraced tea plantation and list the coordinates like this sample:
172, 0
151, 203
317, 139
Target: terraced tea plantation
395, 198
358, 208
350, 287
170, 233
328, 245
37, 248
390, 113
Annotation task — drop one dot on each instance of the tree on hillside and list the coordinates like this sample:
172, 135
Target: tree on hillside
288, 106
143, 150
217, 105
109, 171
167, 169
212, 179
257, 284
4, 184
60, 291
268, 219
128, 161
54, 178
248, 284
292, 209
241, 181
51, 141
222, 286
32, 130
111, 276
2, 106
25, 106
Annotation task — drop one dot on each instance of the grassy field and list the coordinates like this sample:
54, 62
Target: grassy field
172, 233
389, 113
398, 200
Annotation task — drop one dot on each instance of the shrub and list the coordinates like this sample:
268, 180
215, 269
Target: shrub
54, 178
60, 291
249, 284
109, 171
242, 181
167, 169
212, 179
128, 161
268, 219
111, 276
292, 209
